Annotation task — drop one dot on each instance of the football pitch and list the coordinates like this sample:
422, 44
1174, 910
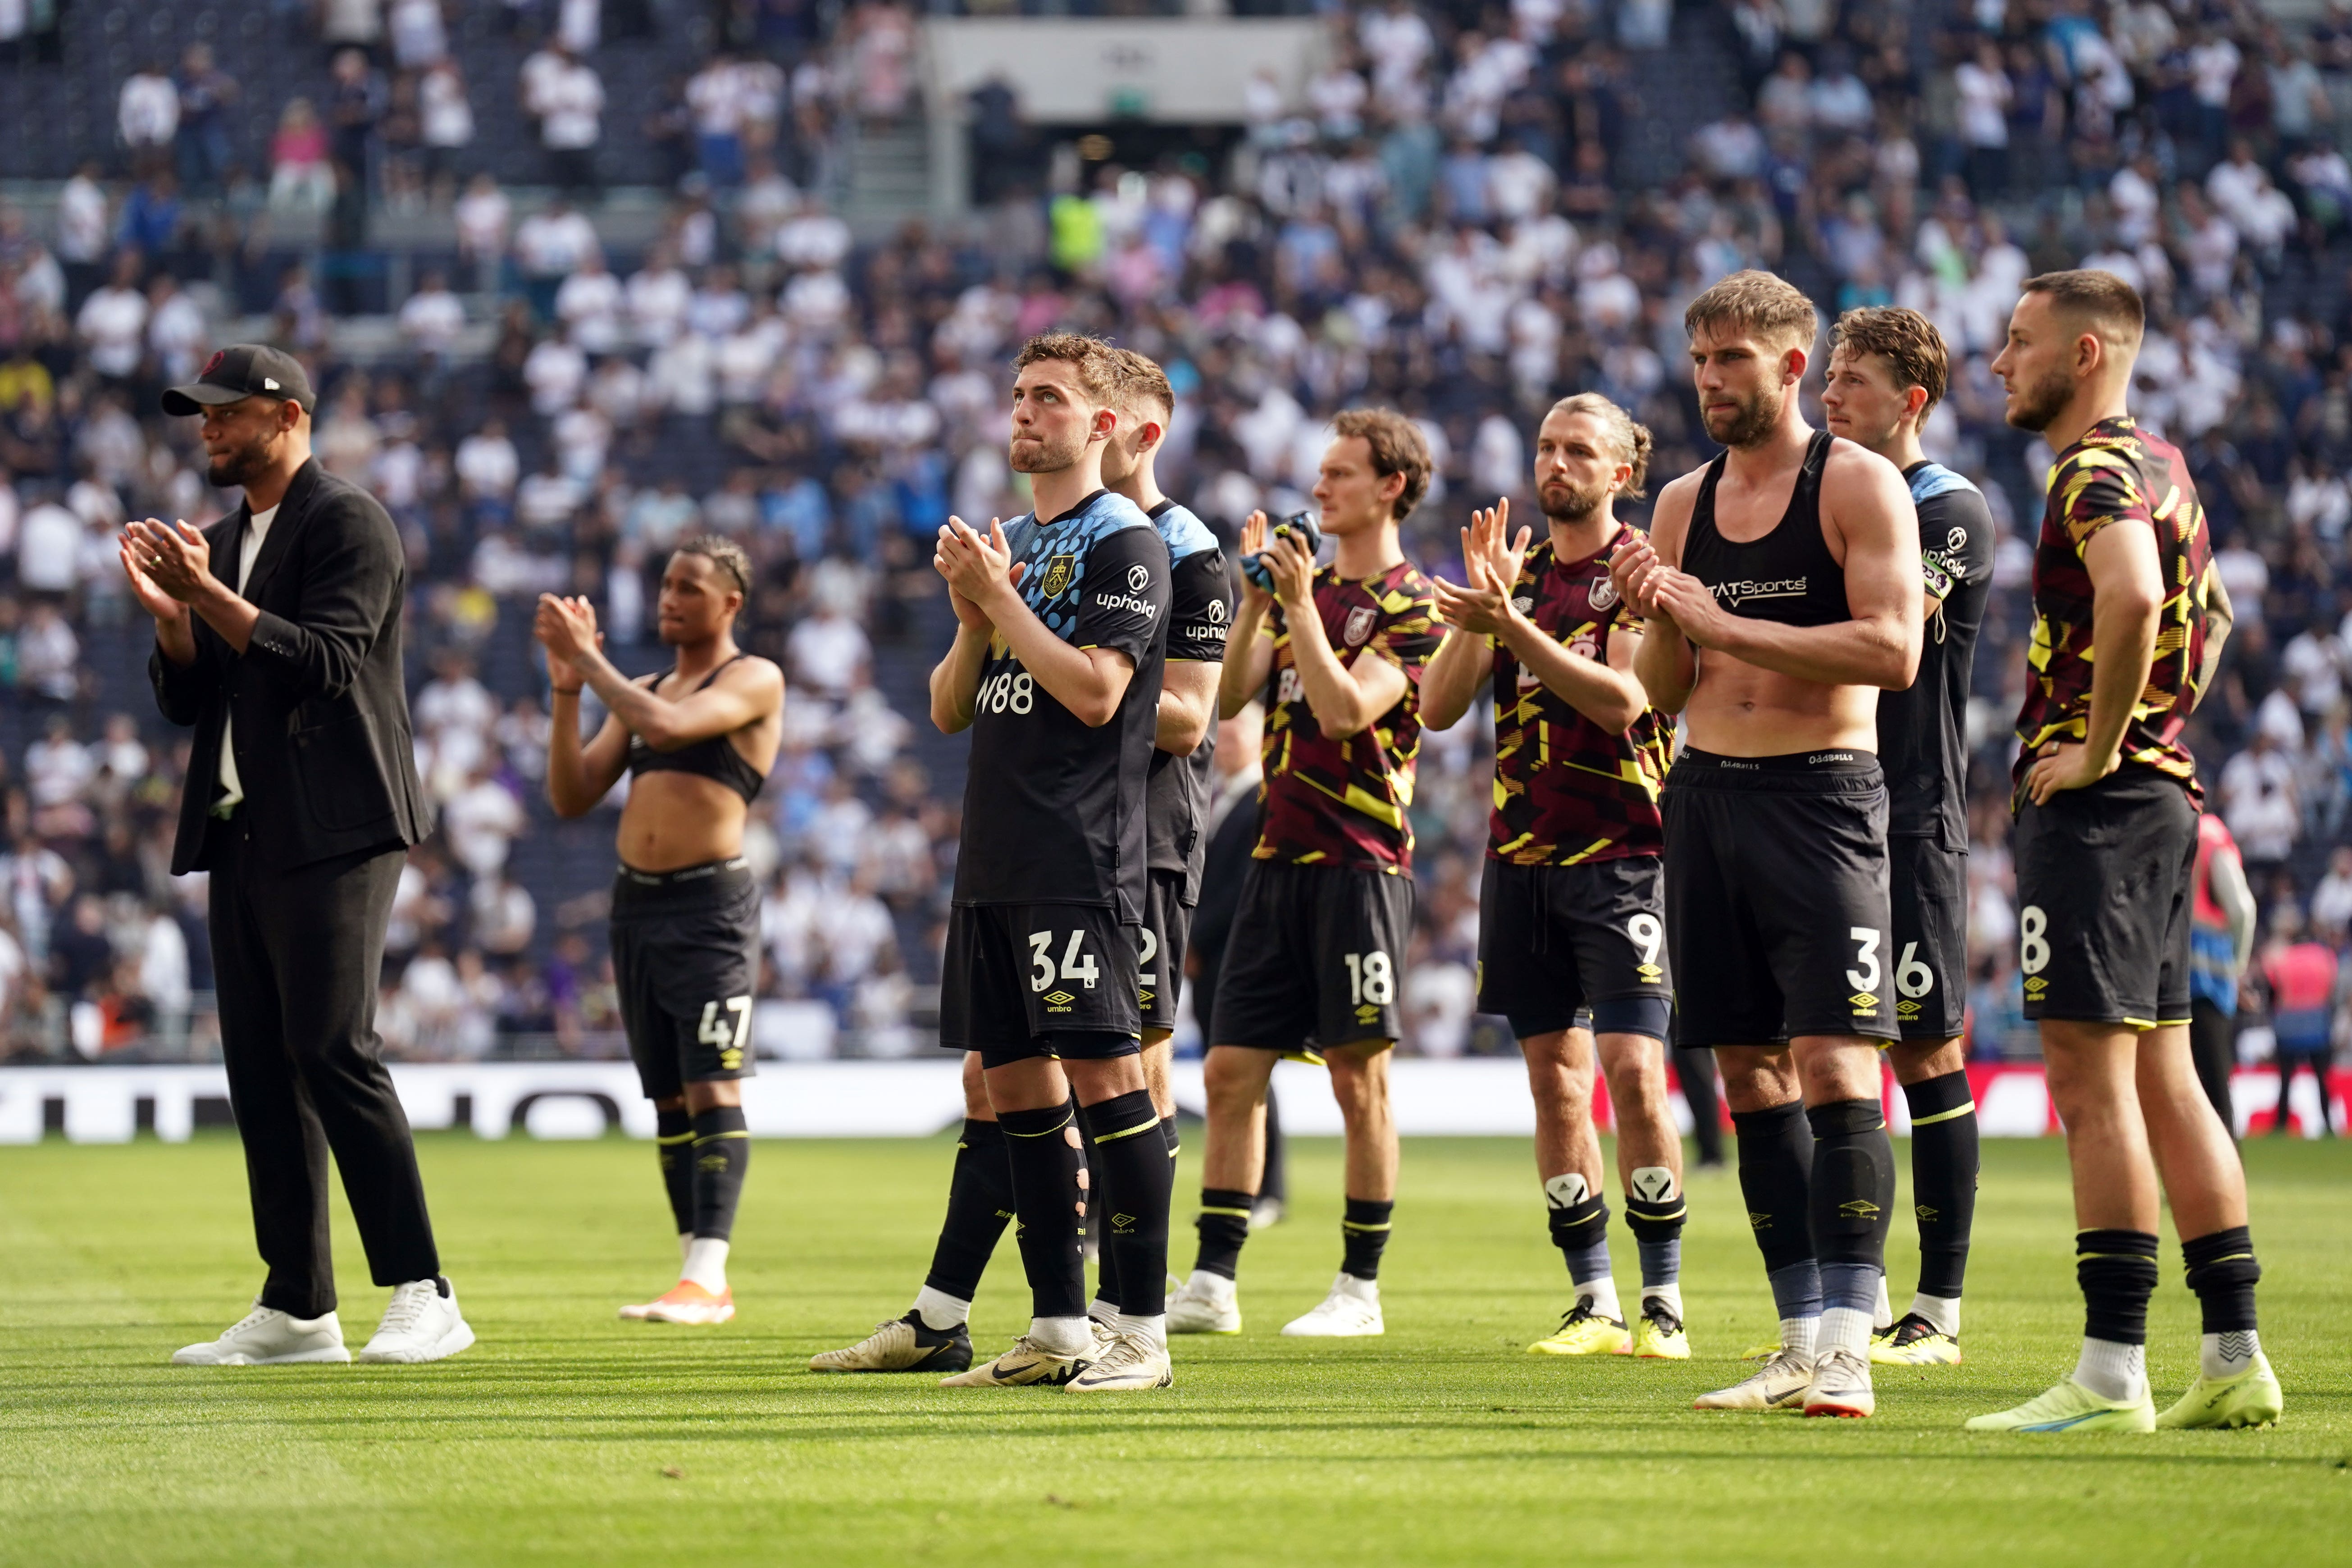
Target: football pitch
569, 1437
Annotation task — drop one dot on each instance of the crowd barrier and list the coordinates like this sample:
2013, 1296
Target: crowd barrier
1478, 1096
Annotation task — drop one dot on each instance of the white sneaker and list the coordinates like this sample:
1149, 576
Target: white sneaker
1780, 1384
1352, 1309
1205, 1304
1129, 1362
268, 1337
420, 1324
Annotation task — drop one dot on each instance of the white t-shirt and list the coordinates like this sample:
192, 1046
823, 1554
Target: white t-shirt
233, 788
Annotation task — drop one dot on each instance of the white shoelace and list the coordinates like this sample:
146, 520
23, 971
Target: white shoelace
252, 1319
1126, 1351
408, 1305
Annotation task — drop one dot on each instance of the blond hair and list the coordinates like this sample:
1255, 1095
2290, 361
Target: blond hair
1631, 437
1761, 302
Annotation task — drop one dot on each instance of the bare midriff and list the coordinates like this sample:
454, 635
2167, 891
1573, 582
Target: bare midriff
1737, 710
675, 820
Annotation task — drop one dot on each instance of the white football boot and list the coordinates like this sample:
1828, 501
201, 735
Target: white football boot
419, 1324
1780, 1384
1130, 1361
268, 1337
1204, 1304
1351, 1310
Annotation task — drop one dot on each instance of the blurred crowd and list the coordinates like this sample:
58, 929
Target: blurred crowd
1452, 218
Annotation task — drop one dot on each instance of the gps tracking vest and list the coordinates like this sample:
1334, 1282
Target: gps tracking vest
1788, 575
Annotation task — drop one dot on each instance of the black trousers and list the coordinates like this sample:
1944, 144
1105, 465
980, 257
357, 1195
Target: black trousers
2213, 1045
297, 956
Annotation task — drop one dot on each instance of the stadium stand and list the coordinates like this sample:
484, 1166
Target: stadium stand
577, 278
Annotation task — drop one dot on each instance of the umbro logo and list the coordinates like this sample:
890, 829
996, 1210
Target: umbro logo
1060, 998
1858, 1208
1926, 1212
1759, 1221
1863, 1002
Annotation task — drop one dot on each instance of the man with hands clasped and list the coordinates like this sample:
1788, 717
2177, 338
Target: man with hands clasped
1572, 927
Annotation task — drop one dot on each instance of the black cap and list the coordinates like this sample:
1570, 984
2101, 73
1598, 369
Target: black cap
243, 370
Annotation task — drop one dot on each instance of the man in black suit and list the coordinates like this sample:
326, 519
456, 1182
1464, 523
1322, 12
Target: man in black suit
301, 801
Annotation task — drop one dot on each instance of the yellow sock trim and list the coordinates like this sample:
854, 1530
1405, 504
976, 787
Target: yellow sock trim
1970, 1109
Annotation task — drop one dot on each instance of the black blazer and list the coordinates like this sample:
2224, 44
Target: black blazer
321, 700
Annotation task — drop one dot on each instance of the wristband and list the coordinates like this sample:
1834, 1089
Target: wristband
564, 690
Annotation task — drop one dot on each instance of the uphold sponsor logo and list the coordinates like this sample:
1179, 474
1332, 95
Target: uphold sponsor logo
1745, 589
1144, 607
1139, 578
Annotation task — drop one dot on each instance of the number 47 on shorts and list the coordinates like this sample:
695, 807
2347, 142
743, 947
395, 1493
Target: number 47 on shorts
728, 1034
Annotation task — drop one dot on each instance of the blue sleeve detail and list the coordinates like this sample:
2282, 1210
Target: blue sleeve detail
1932, 479
1184, 533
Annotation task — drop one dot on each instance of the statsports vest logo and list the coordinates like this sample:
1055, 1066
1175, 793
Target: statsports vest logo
1747, 589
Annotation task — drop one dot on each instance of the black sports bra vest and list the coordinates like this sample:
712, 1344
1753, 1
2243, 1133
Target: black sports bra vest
1788, 575
712, 757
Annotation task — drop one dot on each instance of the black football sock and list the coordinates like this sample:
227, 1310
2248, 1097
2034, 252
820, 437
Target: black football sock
2116, 1269
673, 1142
1048, 1195
1853, 1202
1224, 1225
1694, 1074
1944, 1161
1364, 1236
1139, 1183
1776, 1166
2222, 1271
1097, 1209
1169, 1136
722, 1152
1657, 1226
979, 1204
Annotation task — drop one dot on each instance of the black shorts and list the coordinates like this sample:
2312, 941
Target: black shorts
1039, 980
1777, 898
1556, 941
1317, 954
1929, 888
2104, 878
686, 963
1160, 967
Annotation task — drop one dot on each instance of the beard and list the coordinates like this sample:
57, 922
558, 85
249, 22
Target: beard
1043, 455
2039, 406
1751, 421
239, 466
1566, 502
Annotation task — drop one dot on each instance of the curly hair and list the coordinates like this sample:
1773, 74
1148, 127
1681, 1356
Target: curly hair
1908, 342
1398, 447
1632, 437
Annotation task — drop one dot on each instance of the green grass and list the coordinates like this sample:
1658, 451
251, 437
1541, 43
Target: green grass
568, 1437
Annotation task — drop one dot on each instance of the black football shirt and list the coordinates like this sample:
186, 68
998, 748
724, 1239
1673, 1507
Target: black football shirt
1923, 731
1053, 809
1200, 611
